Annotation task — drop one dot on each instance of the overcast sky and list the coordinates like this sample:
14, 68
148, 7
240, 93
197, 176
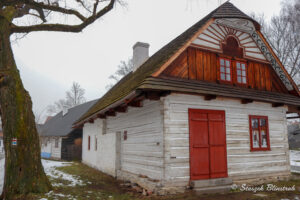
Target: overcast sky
50, 62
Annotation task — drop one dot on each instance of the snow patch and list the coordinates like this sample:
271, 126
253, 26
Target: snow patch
295, 158
50, 169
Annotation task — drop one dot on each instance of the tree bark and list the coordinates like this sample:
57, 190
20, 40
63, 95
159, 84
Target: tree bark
23, 169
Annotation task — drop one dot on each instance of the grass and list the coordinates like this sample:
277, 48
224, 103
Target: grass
103, 187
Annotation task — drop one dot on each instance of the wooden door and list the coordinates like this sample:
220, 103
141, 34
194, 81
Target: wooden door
208, 157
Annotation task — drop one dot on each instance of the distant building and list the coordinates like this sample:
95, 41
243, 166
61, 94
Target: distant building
58, 139
294, 135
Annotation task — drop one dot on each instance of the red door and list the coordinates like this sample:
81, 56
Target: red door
208, 157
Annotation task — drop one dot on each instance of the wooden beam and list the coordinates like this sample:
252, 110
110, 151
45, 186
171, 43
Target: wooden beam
101, 116
110, 112
136, 103
91, 120
152, 95
121, 109
275, 105
209, 97
246, 101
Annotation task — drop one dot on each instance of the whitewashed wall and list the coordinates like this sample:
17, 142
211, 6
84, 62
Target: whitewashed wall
102, 158
141, 153
242, 164
48, 146
55, 151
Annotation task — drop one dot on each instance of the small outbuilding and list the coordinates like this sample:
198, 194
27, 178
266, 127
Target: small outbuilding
205, 111
59, 140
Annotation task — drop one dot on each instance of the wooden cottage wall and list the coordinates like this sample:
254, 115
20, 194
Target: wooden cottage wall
55, 151
196, 64
242, 164
142, 152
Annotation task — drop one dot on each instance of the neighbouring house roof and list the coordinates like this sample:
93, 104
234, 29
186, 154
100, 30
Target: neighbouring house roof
61, 125
135, 80
294, 136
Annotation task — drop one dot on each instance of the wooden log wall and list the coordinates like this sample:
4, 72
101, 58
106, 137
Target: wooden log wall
242, 163
196, 64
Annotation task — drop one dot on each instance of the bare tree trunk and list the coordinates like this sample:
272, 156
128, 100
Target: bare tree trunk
23, 169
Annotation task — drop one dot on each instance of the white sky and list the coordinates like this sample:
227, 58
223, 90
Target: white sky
50, 62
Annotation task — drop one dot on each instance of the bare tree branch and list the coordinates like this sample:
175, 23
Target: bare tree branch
64, 27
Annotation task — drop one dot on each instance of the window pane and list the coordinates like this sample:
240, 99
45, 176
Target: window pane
227, 63
238, 65
254, 123
222, 69
228, 77
228, 70
255, 139
262, 122
222, 76
263, 139
239, 72
243, 66
244, 80
222, 61
239, 79
244, 73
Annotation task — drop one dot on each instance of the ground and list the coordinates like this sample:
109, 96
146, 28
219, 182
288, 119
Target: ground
76, 181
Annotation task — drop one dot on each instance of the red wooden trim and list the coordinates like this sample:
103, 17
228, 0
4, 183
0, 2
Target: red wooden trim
214, 33
245, 38
247, 43
268, 148
208, 41
205, 48
240, 34
223, 36
255, 52
222, 30
217, 39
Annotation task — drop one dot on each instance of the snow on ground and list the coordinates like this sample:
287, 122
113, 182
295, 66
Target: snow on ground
295, 158
50, 169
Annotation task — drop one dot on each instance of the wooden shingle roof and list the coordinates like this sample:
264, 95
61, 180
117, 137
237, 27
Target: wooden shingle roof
134, 80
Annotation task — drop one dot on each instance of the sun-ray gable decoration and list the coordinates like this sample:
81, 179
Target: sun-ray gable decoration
251, 45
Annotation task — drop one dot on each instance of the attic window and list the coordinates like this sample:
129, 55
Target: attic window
241, 73
225, 69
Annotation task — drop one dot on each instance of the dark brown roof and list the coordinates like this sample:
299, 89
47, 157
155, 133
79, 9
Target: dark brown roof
131, 81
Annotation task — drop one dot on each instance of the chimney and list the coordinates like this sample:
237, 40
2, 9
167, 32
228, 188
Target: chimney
140, 54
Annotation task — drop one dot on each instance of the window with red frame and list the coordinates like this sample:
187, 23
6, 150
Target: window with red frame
89, 142
259, 133
225, 70
241, 73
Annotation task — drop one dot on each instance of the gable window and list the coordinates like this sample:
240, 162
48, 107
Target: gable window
225, 70
89, 142
241, 73
259, 133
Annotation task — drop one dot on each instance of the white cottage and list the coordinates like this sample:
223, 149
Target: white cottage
205, 111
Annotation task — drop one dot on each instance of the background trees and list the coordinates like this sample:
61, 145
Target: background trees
283, 34
74, 97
